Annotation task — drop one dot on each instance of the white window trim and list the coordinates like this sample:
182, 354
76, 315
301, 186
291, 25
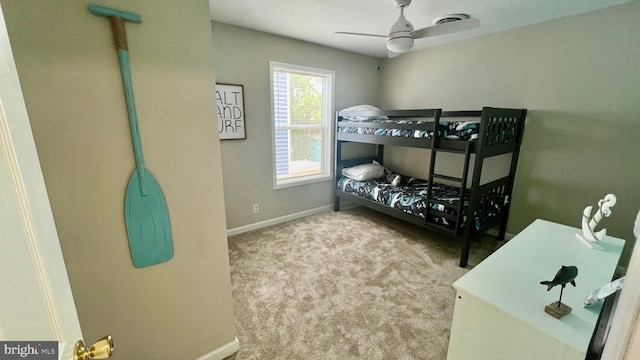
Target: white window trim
329, 107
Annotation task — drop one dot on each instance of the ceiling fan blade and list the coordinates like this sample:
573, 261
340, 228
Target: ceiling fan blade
393, 54
446, 28
360, 34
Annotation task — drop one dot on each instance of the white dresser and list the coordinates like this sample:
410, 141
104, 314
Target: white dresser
499, 312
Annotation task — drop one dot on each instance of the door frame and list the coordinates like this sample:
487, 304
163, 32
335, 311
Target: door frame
38, 285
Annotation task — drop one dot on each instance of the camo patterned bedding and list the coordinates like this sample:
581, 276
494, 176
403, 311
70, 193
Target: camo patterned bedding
457, 130
410, 197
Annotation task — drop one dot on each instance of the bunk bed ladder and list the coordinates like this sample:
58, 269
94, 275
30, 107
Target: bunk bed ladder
456, 220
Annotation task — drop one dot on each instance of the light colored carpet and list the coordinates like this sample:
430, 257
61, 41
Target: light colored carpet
353, 284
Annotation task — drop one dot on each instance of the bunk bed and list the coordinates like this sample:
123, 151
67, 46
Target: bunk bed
461, 207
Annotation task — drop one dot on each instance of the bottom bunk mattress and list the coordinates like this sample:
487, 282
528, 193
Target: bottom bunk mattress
411, 197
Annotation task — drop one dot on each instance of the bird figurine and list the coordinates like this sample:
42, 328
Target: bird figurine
566, 274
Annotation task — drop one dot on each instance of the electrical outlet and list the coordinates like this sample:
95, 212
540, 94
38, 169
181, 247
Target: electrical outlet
256, 208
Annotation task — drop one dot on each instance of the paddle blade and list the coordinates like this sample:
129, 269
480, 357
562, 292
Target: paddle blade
446, 28
360, 34
147, 220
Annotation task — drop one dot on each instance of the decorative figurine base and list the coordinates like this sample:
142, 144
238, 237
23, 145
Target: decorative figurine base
557, 311
592, 244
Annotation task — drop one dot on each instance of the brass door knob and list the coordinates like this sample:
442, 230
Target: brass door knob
101, 349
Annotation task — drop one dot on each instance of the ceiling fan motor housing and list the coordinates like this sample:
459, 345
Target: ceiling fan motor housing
400, 38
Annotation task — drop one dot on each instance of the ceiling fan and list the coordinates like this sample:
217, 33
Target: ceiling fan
401, 35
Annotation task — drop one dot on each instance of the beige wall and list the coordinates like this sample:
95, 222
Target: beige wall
242, 57
70, 77
580, 80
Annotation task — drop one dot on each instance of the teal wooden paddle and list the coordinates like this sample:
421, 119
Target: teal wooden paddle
146, 213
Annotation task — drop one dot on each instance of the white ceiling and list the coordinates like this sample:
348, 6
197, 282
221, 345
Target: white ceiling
316, 21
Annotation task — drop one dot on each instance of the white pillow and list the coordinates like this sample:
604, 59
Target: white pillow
365, 172
364, 107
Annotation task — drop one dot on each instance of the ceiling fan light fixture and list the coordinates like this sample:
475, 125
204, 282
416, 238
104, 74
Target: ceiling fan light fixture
400, 44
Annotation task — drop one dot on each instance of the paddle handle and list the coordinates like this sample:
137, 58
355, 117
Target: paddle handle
123, 57
117, 19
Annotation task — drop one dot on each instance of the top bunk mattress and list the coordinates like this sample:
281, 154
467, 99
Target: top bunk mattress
418, 129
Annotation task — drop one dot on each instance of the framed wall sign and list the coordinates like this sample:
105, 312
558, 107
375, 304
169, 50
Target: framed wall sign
230, 107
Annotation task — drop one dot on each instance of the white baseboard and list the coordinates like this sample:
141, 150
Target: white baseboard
278, 220
344, 205
222, 352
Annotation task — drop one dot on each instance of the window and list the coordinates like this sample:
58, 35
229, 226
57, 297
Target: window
302, 118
